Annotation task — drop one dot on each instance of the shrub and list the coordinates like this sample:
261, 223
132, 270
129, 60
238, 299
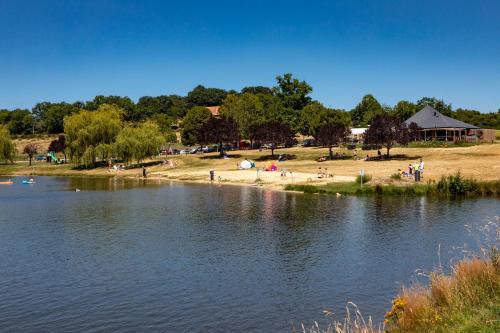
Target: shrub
396, 176
366, 178
457, 185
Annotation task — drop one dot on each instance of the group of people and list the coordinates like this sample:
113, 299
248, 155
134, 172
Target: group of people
115, 167
323, 173
415, 170
284, 172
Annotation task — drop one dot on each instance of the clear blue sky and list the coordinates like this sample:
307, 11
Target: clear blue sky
73, 50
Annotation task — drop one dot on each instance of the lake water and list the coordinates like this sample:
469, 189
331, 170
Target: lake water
130, 256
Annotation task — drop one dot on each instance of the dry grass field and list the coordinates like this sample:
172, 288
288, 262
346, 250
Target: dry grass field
481, 162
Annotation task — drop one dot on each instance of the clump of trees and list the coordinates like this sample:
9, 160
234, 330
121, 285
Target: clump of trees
7, 149
102, 134
116, 126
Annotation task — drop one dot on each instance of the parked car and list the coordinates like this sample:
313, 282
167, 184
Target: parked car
195, 150
208, 149
309, 143
40, 158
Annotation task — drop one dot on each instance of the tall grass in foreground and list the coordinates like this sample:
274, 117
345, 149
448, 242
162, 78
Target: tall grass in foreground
466, 300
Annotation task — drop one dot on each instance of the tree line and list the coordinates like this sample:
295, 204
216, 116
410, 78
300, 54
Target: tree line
116, 127
289, 94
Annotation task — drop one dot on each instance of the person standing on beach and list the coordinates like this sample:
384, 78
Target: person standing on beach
212, 175
144, 172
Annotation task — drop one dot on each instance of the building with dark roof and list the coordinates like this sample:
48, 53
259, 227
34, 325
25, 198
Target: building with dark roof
436, 126
214, 110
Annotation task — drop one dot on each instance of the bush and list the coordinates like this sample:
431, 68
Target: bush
396, 176
366, 178
441, 144
457, 185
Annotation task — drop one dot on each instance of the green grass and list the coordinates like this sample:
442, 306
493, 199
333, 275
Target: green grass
356, 189
453, 185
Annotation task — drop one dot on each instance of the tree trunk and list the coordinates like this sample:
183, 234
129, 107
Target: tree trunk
388, 148
30, 159
330, 151
272, 150
221, 152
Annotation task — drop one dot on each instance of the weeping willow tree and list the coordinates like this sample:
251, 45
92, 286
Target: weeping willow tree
7, 149
90, 133
139, 142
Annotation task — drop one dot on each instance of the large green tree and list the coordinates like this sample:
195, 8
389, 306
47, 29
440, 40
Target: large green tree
437, 104
49, 117
124, 103
19, 121
7, 149
191, 124
365, 111
148, 106
405, 109
201, 96
257, 90
138, 142
86, 130
246, 109
474, 117
293, 92
315, 115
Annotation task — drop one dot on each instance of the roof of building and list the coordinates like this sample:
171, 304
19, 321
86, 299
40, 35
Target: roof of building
429, 117
214, 110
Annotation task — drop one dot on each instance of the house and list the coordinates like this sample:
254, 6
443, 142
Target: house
436, 126
214, 110
357, 134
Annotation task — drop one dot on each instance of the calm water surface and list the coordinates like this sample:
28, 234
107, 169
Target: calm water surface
130, 256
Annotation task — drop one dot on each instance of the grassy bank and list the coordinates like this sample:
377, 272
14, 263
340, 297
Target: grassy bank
452, 185
467, 300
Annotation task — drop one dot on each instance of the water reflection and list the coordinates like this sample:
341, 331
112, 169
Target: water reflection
122, 253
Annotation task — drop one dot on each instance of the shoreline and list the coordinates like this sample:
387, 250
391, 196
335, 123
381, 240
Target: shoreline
488, 188
477, 164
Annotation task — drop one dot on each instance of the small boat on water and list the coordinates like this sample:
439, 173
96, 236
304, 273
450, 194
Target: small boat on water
9, 182
31, 181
